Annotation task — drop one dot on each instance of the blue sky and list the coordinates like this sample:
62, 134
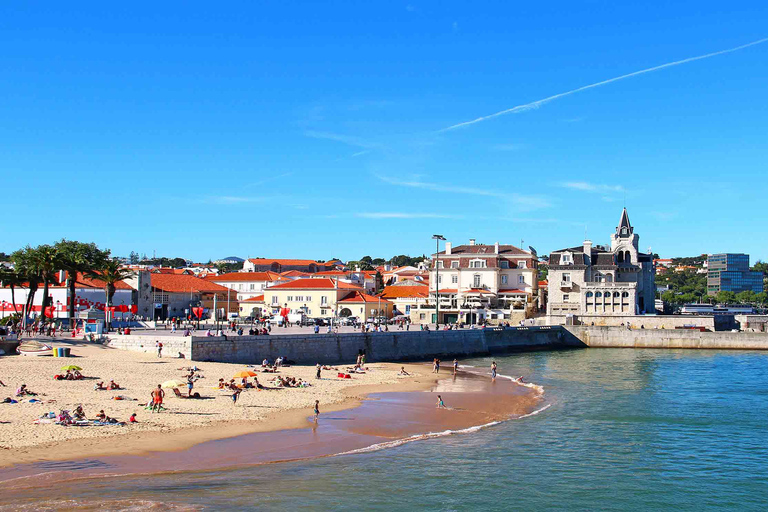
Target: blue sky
319, 129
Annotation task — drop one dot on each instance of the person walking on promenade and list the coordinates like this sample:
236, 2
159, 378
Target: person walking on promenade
157, 398
493, 371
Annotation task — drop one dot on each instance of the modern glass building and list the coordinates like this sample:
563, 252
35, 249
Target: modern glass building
730, 273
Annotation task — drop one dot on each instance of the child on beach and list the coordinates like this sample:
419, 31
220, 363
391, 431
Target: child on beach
440, 403
235, 396
455, 367
317, 409
493, 370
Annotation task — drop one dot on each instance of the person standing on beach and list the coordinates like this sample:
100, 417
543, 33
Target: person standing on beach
159, 347
317, 409
455, 367
493, 371
235, 396
436, 366
157, 398
319, 368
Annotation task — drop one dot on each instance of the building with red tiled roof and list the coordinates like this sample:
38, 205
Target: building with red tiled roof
323, 297
284, 264
177, 294
406, 297
246, 284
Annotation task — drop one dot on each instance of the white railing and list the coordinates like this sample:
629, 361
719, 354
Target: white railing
598, 284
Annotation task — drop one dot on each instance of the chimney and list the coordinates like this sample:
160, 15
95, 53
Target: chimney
471, 241
588, 250
496, 247
448, 248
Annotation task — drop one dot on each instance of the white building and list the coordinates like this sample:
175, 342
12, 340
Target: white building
246, 284
475, 282
599, 281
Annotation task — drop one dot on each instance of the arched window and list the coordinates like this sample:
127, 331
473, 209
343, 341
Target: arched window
625, 294
598, 294
608, 278
620, 257
615, 294
589, 294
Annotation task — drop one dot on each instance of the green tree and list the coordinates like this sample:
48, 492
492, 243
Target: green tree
111, 272
379, 281
724, 297
78, 258
27, 270
746, 297
47, 262
133, 258
10, 278
762, 298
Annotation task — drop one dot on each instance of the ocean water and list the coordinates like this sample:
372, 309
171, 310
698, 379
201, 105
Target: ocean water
623, 429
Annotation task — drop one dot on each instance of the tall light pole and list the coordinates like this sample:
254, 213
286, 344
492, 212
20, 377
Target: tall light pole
437, 239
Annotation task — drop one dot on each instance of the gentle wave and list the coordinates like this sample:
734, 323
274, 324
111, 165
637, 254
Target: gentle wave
433, 435
531, 385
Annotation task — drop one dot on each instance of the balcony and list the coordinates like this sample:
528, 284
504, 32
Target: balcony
566, 284
598, 284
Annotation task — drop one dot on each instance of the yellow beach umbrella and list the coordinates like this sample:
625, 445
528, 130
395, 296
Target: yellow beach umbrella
245, 374
71, 367
173, 383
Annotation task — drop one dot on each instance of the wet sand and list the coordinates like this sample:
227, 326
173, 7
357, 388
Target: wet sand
382, 420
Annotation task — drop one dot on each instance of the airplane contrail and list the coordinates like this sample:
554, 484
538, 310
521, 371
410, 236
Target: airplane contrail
538, 103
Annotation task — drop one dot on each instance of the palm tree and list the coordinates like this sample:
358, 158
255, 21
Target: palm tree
24, 261
78, 258
110, 272
10, 278
47, 264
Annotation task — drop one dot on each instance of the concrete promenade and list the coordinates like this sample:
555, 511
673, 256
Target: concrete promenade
300, 344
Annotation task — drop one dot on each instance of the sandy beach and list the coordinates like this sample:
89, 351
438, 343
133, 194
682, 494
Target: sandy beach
186, 422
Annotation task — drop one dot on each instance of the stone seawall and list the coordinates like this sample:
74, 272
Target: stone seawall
172, 345
386, 346
616, 337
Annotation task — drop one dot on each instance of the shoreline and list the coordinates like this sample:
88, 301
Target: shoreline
141, 443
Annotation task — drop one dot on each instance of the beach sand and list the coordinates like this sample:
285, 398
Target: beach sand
186, 422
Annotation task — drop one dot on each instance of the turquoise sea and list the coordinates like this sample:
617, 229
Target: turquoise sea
627, 430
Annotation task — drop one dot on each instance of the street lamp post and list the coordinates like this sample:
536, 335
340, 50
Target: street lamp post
437, 239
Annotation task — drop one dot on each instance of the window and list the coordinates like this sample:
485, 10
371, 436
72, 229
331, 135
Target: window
454, 279
299, 298
454, 264
503, 279
439, 264
407, 308
520, 279
521, 264
253, 286
439, 279
566, 277
504, 264
324, 300
589, 294
566, 298
309, 298
565, 259
477, 264
240, 287
290, 298
274, 299
598, 294
476, 281
422, 316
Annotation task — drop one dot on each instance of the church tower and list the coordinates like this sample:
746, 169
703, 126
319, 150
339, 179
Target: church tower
624, 243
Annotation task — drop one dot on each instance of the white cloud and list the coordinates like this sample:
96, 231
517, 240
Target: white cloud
350, 140
508, 147
536, 104
522, 202
591, 187
405, 215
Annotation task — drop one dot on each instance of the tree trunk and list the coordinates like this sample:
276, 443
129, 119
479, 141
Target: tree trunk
28, 306
72, 291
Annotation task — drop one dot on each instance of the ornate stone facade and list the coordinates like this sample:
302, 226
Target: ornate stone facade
615, 281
